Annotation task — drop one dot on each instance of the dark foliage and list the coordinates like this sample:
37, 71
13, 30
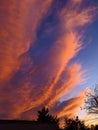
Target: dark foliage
75, 124
94, 127
45, 117
45, 121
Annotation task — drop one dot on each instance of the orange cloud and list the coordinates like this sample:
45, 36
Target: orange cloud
71, 108
18, 29
76, 1
76, 17
66, 83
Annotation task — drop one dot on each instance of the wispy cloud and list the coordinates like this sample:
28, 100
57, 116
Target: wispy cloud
72, 104
19, 21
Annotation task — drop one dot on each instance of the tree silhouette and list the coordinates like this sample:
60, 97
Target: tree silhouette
91, 103
45, 117
75, 124
94, 127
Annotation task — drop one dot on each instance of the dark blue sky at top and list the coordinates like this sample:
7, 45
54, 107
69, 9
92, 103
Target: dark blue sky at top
48, 32
88, 57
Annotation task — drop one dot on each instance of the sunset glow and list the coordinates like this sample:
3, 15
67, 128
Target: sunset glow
44, 56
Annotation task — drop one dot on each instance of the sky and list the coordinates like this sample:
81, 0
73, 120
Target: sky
48, 56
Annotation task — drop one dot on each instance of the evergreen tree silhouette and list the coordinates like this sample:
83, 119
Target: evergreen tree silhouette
45, 117
75, 124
